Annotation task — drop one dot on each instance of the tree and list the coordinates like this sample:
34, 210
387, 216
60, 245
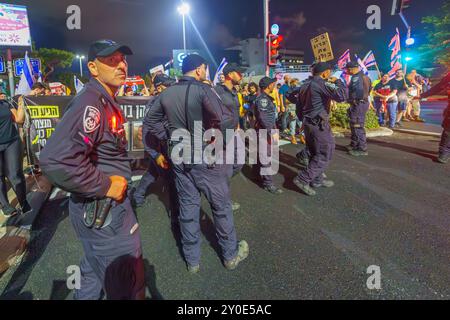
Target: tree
53, 58
437, 48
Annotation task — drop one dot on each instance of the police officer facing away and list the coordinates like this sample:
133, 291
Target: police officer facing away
87, 157
444, 147
265, 114
156, 149
315, 97
358, 93
185, 104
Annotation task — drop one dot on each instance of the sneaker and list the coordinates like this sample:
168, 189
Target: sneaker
193, 269
442, 159
9, 211
324, 183
302, 139
406, 120
358, 153
349, 147
274, 190
306, 189
241, 256
235, 206
293, 140
398, 125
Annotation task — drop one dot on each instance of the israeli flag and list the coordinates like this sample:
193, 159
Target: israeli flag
78, 84
361, 65
26, 79
222, 65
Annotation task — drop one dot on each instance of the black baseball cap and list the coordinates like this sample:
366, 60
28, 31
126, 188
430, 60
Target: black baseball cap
192, 62
320, 67
266, 82
105, 48
229, 68
352, 64
162, 79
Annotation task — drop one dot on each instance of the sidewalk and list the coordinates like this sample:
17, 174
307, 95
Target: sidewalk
421, 128
15, 231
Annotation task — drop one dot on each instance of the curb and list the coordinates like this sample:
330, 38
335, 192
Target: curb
381, 132
417, 132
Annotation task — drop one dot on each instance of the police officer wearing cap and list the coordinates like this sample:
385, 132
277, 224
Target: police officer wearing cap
314, 98
229, 97
444, 146
158, 150
265, 114
87, 156
188, 105
358, 93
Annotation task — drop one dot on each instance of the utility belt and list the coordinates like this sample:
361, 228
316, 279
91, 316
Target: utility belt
96, 214
317, 121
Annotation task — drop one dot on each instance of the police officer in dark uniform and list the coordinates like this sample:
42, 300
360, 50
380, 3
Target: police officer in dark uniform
358, 92
154, 147
315, 96
265, 113
191, 108
444, 147
87, 156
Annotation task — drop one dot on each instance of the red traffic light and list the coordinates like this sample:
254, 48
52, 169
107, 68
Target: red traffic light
273, 47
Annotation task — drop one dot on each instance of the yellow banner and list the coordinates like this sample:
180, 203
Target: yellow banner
44, 112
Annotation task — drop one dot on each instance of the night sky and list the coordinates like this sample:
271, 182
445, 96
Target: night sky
153, 27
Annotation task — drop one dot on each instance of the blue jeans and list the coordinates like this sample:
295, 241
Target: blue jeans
293, 125
392, 110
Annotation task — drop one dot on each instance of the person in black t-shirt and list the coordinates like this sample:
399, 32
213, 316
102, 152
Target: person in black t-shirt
400, 84
11, 159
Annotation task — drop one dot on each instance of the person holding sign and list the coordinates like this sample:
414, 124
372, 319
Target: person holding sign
314, 98
11, 157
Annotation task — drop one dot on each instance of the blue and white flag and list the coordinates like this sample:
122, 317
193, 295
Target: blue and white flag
27, 78
222, 65
369, 60
361, 65
78, 84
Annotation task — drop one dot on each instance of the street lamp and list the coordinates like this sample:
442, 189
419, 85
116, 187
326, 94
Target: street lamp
81, 64
184, 9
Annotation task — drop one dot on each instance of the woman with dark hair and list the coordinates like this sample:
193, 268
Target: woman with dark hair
11, 157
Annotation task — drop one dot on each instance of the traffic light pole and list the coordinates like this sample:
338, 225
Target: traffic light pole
266, 33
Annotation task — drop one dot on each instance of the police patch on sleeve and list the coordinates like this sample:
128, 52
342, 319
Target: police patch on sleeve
91, 119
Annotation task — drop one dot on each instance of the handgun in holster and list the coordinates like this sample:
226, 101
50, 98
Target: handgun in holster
97, 212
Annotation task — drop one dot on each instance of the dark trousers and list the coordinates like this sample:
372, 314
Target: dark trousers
112, 262
215, 185
11, 167
321, 145
444, 147
357, 114
267, 180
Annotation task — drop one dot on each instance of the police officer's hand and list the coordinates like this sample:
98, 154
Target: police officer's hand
162, 162
118, 188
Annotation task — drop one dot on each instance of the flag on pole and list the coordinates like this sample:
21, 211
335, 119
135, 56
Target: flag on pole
361, 65
342, 61
369, 60
396, 57
78, 84
220, 71
27, 79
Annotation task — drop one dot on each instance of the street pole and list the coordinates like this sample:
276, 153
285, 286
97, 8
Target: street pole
81, 68
266, 33
184, 33
10, 72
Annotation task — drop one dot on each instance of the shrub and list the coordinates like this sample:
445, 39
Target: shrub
339, 117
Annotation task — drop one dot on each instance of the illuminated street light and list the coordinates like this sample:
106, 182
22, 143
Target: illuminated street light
81, 64
184, 10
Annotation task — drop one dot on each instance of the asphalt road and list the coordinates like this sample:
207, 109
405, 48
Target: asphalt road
390, 209
432, 111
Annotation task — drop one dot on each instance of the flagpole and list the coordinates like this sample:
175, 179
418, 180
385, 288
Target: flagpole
378, 70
